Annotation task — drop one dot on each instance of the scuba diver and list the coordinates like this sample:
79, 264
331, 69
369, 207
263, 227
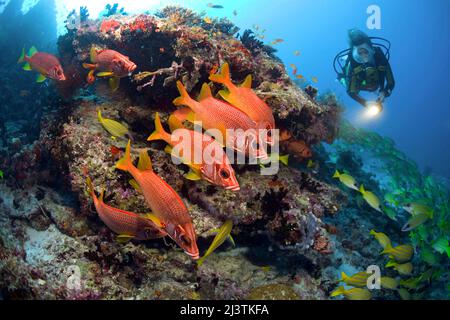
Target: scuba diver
366, 68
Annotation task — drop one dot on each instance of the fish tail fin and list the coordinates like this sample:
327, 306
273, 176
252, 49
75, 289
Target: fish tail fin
184, 98
340, 290
224, 76
387, 250
200, 261
336, 174
372, 232
284, 159
90, 187
22, 56
99, 116
125, 162
159, 133
343, 276
361, 189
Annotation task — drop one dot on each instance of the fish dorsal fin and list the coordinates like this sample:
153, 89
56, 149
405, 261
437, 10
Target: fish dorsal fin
192, 175
32, 51
93, 54
144, 161
40, 78
247, 82
205, 92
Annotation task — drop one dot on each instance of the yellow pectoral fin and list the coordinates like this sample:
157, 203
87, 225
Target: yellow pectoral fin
124, 238
105, 74
193, 176
155, 219
40, 78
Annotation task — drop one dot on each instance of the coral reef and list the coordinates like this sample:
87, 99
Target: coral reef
295, 231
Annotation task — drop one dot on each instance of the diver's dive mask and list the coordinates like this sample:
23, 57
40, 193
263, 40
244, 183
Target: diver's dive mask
363, 53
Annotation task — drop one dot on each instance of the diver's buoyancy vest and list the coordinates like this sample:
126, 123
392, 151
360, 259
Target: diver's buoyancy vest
367, 77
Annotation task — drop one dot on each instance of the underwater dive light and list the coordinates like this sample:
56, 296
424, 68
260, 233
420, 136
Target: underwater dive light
374, 108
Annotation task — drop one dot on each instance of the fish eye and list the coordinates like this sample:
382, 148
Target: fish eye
185, 240
58, 72
224, 173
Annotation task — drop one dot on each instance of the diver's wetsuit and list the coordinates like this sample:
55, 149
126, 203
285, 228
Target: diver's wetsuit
369, 77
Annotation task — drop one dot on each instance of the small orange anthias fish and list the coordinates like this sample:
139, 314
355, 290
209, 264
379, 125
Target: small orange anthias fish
46, 64
165, 203
246, 100
216, 170
217, 114
110, 64
126, 224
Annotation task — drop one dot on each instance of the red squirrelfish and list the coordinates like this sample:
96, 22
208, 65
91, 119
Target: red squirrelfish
165, 203
127, 225
46, 64
207, 159
246, 100
216, 114
111, 64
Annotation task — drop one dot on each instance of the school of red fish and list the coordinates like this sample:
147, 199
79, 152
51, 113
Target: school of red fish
240, 109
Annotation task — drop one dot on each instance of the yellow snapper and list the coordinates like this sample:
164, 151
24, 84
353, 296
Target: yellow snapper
346, 179
116, 129
417, 208
404, 268
389, 283
357, 280
353, 293
382, 239
411, 283
415, 221
222, 234
277, 157
404, 294
370, 198
401, 253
